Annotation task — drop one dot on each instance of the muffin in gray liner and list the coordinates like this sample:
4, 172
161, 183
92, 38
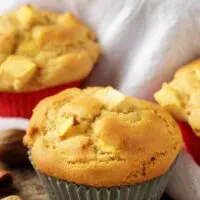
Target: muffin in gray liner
98, 144
62, 190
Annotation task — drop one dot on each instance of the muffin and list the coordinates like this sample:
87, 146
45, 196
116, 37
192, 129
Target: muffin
181, 97
99, 143
41, 53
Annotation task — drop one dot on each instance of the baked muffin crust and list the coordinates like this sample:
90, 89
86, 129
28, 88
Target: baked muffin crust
181, 96
41, 49
102, 138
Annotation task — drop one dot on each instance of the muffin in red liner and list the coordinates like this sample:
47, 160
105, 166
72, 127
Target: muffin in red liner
22, 104
181, 98
41, 53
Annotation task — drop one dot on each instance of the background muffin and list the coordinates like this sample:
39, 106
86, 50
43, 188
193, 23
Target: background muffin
181, 97
100, 138
42, 49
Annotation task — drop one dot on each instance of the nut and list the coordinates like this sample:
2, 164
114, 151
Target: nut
12, 198
12, 150
6, 179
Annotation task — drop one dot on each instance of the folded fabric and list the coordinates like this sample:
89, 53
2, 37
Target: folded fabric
143, 42
184, 183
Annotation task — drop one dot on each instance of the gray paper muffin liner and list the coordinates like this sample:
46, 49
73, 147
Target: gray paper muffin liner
62, 190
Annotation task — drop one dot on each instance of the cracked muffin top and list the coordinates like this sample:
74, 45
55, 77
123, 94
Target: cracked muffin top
99, 137
181, 96
41, 49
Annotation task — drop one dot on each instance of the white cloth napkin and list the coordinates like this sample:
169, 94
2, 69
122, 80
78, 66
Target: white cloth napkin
143, 43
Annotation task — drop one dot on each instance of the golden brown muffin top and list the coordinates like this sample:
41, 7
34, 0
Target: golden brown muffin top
102, 138
41, 49
181, 96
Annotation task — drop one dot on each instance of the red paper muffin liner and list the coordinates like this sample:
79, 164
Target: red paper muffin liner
22, 104
191, 141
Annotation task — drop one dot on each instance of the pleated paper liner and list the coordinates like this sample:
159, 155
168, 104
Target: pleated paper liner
62, 190
22, 104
